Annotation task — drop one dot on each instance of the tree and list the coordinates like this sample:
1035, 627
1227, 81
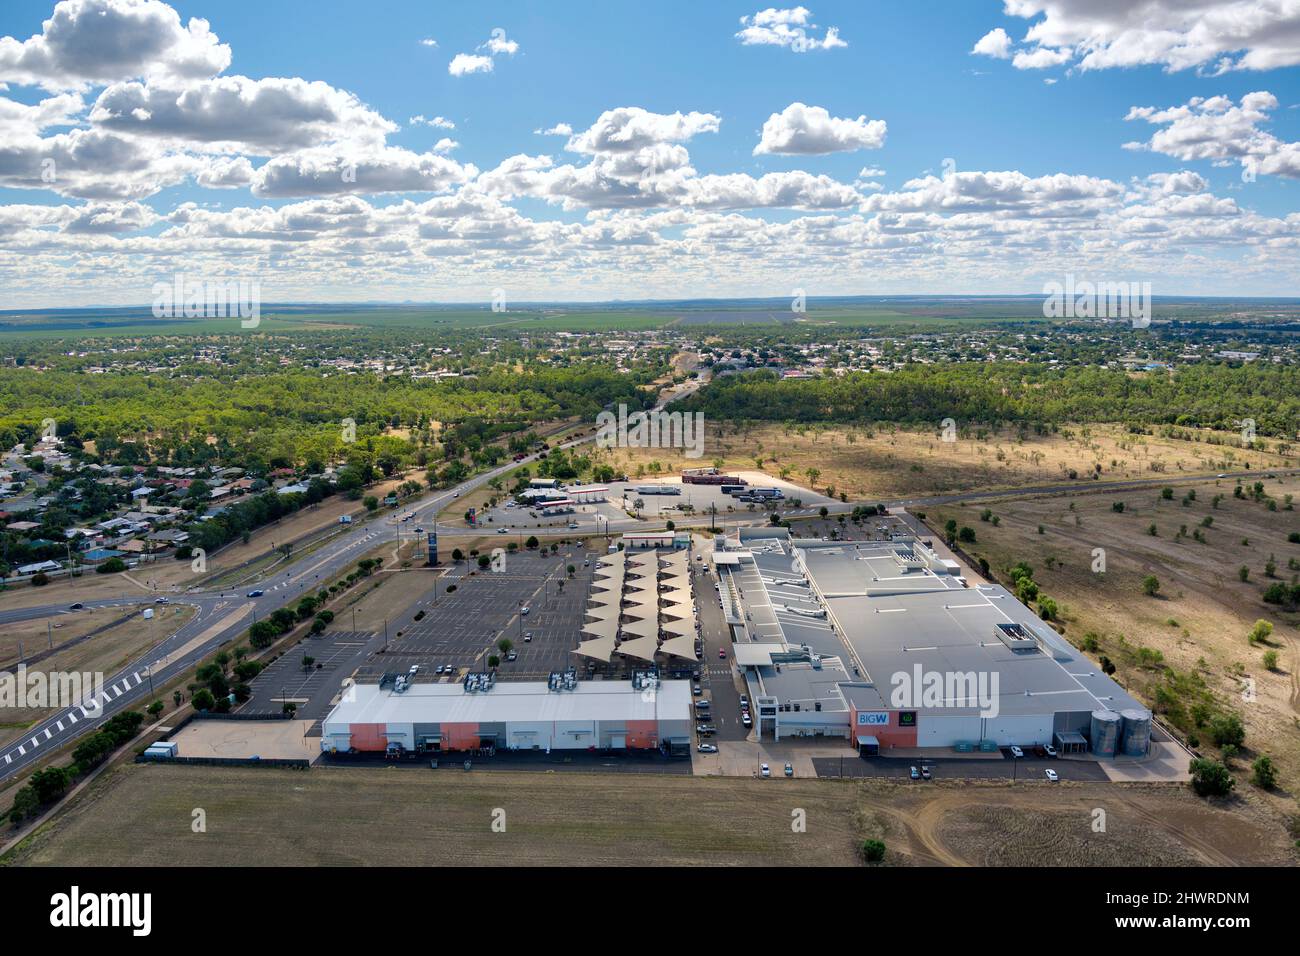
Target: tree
203, 700
873, 851
155, 708
370, 502
966, 535
1150, 585
532, 542
1270, 660
504, 645
1260, 632
494, 661
1227, 729
1210, 778
1263, 774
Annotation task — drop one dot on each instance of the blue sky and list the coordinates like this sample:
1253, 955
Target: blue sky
1039, 182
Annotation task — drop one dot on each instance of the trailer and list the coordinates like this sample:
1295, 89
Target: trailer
712, 480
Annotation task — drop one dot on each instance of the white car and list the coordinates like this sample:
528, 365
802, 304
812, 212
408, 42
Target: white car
1049, 750
1017, 752
503, 530
1052, 775
764, 770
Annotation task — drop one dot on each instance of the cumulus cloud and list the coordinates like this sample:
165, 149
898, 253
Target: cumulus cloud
801, 130
329, 170
1210, 35
996, 43
437, 122
1221, 131
265, 116
465, 64
790, 27
559, 129
103, 41
628, 129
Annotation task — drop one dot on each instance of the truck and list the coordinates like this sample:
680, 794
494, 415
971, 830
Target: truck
759, 493
345, 519
658, 490
689, 479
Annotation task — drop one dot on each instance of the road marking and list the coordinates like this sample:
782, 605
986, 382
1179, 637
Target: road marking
48, 733
59, 724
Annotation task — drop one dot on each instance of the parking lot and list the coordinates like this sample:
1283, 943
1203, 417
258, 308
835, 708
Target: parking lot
461, 631
335, 655
957, 768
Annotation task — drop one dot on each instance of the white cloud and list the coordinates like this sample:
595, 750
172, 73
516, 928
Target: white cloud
559, 129
437, 122
102, 41
812, 131
498, 44
1219, 130
463, 64
996, 43
265, 116
445, 145
365, 170
1213, 35
631, 128
790, 27
429, 41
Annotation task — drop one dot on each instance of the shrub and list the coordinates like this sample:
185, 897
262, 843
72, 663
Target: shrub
1210, 778
873, 851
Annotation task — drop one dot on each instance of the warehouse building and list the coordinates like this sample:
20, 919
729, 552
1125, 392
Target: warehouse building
884, 643
559, 714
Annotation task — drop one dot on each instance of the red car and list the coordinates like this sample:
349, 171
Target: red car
722, 652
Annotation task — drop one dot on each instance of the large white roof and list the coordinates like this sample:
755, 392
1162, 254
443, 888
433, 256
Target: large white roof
510, 701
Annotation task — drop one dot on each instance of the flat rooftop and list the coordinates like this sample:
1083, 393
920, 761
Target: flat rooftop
513, 701
886, 612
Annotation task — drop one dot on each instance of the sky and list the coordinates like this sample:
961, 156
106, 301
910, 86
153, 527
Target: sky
588, 151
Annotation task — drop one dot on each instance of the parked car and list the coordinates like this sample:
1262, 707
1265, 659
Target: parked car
438, 669
764, 770
1017, 752
925, 772
512, 656
528, 637
1052, 775
916, 774
789, 770
706, 730
744, 702
707, 748
722, 653
524, 610
746, 719
256, 593
1049, 750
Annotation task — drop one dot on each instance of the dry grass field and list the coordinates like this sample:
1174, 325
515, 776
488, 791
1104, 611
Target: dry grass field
104, 653
893, 462
141, 815
1199, 619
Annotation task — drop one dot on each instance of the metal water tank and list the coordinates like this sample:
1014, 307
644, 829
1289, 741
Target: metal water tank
1105, 732
1136, 739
